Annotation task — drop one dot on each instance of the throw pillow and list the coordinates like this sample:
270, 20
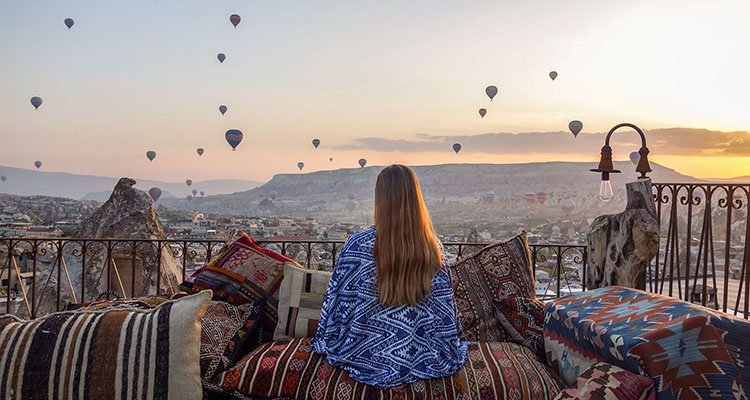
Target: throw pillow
300, 301
105, 354
604, 381
523, 319
241, 273
498, 270
227, 332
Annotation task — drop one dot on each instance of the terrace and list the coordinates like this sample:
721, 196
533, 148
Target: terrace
710, 268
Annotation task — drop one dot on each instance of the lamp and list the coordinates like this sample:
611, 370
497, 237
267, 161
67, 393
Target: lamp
605, 162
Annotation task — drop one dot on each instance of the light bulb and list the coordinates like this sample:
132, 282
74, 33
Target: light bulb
605, 190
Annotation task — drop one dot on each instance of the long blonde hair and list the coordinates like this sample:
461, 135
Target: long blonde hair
407, 254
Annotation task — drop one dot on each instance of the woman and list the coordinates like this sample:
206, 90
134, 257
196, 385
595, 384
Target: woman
389, 317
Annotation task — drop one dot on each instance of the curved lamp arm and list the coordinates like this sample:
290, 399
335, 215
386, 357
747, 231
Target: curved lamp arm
605, 162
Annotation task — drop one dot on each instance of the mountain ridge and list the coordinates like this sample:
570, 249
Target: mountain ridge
26, 182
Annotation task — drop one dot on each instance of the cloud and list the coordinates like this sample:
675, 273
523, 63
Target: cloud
672, 141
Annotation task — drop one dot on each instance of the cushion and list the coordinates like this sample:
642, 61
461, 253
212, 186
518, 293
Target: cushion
604, 381
496, 271
290, 369
300, 301
228, 332
243, 272
105, 354
524, 319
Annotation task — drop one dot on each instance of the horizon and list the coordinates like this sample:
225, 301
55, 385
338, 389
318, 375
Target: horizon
133, 77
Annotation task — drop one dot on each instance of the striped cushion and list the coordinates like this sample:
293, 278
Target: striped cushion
300, 300
227, 332
290, 369
498, 270
149, 354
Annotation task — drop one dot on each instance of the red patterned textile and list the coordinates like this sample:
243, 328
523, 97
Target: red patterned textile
524, 316
604, 381
290, 369
241, 273
498, 270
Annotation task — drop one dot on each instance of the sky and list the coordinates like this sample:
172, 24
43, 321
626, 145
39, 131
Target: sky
389, 81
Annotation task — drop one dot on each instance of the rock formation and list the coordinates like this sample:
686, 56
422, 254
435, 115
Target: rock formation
127, 215
622, 246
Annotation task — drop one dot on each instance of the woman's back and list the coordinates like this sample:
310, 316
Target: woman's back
385, 345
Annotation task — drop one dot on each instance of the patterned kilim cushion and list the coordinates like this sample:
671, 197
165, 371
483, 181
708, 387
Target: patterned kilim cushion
524, 316
498, 270
105, 354
604, 381
228, 333
290, 369
689, 351
243, 272
300, 300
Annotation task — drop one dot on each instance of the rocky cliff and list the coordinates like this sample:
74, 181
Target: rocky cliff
131, 267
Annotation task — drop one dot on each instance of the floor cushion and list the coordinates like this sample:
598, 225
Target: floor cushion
300, 301
525, 317
290, 369
228, 332
243, 272
689, 351
105, 354
496, 271
604, 381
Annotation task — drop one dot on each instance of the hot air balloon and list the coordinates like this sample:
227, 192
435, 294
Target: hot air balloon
489, 196
69, 22
235, 19
203, 193
362, 162
273, 194
37, 164
456, 147
541, 197
575, 127
482, 112
316, 143
234, 137
221, 57
350, 196
300, 165
530, 198
568, 205
553, 75
200, 151
635, 157
36, 101
351, 205
155, 193
189, 197
330, 159
3, 178
151, 155
189, 182
194, 191
223, 109
491, 91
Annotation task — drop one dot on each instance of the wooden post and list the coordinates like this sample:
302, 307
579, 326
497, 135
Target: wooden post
621, 246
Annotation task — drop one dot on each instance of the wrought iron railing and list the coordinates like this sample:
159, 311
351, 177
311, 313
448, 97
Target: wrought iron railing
704, 252
42, 275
